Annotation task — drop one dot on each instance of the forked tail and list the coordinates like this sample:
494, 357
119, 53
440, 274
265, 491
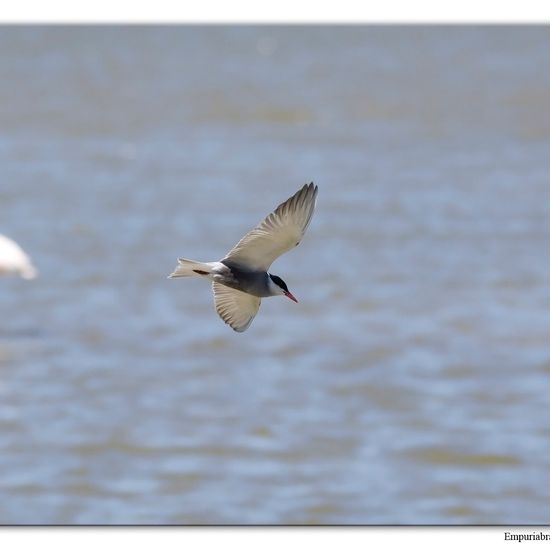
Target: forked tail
190, 268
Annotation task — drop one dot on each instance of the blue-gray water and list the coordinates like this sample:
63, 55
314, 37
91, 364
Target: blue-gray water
409, 385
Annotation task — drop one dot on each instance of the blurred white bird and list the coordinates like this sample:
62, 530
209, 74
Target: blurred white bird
13, 261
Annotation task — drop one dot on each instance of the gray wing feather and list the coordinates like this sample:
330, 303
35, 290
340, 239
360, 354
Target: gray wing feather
278, 233
236, 308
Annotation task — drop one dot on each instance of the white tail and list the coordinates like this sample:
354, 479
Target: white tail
190, 268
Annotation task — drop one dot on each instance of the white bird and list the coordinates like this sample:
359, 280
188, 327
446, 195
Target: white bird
240, 280
13, 261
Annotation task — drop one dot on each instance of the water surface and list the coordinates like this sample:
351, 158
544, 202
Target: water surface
410, 383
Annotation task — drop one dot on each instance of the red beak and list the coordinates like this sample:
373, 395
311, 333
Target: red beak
289, 295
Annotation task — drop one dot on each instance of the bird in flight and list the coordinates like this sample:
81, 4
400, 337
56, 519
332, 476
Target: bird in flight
241, 279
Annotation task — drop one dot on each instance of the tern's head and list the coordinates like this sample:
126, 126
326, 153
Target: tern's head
278, 287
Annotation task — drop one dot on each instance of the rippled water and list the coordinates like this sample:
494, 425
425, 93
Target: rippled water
410, 383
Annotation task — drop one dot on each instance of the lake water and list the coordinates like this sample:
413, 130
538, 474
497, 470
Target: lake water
409, 385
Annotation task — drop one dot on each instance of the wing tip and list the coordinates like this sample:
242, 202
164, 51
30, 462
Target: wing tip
240, 330
312, 185
309, 189
236, 327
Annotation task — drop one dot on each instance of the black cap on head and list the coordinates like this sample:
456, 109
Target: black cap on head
278, 281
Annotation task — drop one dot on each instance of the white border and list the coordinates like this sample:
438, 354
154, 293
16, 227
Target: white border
281, 11
240, 11
351, 538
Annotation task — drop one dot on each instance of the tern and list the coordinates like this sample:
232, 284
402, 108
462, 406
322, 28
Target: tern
241, 279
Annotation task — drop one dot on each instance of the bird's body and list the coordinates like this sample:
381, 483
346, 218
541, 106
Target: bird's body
13, 261
228, 273
240, 279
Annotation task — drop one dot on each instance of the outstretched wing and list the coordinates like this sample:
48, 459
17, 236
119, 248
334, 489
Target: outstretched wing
281, 231
236, 308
